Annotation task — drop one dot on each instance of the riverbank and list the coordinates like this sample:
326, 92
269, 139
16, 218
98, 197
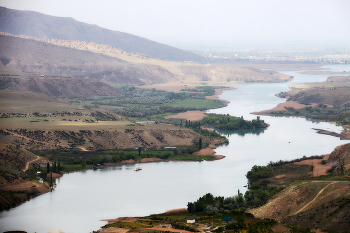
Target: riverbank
21, 191
283, 107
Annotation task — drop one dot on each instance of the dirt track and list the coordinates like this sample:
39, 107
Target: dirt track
29, 162
313, 200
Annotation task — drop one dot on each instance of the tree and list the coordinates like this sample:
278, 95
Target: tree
54, 167
139, 149
48, 167
51, 180
200, 144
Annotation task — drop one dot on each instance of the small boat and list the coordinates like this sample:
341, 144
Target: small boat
138, 169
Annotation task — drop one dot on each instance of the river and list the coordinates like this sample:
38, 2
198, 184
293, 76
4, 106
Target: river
82, 199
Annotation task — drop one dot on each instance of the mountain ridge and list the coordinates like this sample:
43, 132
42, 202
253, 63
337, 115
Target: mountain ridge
44, 26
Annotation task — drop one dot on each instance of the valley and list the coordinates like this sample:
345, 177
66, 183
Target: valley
82, 106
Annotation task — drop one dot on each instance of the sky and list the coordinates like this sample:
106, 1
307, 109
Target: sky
191, 23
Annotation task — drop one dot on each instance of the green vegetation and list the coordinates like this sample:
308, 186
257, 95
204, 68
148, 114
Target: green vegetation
227, 122
338, 114
74, 159
137, 102
207, 90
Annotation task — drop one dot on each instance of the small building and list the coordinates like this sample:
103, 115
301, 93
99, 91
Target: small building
191, 220
228, 219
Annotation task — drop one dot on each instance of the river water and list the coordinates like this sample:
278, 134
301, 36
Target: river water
82, 199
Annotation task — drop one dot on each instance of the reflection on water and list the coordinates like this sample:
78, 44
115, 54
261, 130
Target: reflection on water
241, 132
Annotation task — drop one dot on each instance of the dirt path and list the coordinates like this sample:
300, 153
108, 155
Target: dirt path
29, 162
29, 139
313, 200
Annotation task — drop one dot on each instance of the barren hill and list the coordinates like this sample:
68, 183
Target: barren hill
44, 26
32, 56
120, 138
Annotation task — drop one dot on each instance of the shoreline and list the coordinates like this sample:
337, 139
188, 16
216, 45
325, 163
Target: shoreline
344, 135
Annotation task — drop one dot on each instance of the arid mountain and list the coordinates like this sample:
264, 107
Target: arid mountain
44, 26
27, 56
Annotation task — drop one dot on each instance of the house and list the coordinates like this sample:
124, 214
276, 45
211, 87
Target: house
191, 220
228, 219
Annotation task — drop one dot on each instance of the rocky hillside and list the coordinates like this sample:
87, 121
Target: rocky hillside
129, 137
58, 87
311, 204
340, 159
44, 26
13, 157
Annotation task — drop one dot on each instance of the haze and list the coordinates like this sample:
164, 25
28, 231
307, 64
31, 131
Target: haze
196, 24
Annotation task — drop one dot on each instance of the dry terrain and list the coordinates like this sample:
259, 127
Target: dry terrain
123, 137
314, 203
189, 115
309, 203
22, 55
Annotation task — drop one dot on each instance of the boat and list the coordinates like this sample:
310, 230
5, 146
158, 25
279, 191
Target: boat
138, 169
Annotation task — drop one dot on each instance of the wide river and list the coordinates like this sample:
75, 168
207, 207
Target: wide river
82, 199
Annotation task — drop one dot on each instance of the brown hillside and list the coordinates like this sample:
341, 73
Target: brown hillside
340, 158
58, 87
121, 138
336, 96
15, 158
322, 204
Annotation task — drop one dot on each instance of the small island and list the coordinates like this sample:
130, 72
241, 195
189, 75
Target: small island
227, 122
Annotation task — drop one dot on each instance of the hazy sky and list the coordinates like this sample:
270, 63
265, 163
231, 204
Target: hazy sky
206, 22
